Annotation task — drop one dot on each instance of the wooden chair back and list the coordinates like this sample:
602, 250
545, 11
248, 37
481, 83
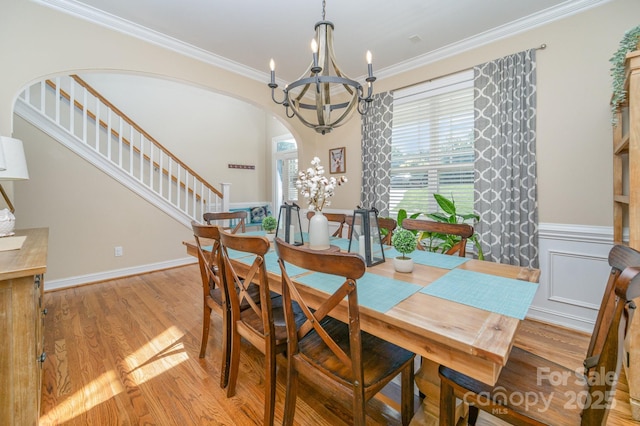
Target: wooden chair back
606, 351
214, 290
338, 218
347, 265
237, 219
251, 316
462, 230
241, 281
325, 349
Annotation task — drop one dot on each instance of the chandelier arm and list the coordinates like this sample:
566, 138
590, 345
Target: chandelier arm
273, 97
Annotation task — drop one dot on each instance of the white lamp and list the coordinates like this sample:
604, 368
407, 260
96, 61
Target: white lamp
15, 169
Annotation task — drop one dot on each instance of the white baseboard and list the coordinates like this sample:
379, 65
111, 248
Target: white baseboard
116, 273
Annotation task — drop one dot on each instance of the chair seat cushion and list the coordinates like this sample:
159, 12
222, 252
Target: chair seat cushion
253, 321
380, 359
546, 391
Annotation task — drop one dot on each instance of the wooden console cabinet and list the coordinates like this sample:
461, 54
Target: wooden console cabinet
21, 327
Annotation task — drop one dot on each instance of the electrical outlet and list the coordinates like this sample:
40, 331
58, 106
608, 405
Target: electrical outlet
117, 251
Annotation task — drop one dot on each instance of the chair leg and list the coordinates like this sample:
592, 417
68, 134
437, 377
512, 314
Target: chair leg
290, 395
206, 321
407, 381
226, 349
473, 415
447, 404
234, 364
269, 385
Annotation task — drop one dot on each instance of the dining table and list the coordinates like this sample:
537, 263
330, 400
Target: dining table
456, 311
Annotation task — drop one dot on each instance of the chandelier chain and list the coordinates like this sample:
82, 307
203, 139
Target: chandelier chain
324, 5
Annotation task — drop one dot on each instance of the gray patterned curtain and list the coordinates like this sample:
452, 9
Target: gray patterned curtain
376, 153
505, 165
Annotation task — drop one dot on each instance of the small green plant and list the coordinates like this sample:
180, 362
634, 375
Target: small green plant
404, 241
435, 242
269, 224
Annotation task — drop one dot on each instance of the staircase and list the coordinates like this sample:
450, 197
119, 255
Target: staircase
76, 115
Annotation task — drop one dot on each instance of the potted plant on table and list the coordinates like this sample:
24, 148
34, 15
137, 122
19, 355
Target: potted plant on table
405, 242
269, 224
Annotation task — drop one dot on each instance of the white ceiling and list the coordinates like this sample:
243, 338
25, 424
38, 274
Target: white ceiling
243, 35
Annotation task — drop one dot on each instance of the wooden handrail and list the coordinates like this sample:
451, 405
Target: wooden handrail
115, 134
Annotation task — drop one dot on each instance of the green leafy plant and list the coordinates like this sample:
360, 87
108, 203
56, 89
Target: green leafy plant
436, 242
269, 224
628, 44
402, 215
404, 241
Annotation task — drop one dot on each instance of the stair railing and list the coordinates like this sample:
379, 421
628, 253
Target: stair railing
74, 106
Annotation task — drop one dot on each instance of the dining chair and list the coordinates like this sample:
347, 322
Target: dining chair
386, 223
532, 390
462, 230
237, 219
262, 324
333, 355
213, 291
335, 218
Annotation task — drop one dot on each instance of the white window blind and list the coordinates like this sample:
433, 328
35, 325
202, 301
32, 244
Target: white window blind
432, 145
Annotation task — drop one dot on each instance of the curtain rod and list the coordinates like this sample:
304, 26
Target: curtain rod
541, 47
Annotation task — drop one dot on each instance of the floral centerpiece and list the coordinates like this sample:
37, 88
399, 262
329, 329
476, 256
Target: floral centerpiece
316, 187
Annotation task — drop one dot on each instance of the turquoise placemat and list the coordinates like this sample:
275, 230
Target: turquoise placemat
504, 296
428, 258
343, 243
374, 291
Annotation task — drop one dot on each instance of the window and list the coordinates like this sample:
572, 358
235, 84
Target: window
432, 145
285, 166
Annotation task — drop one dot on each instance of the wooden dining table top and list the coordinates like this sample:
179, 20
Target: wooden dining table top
473, 341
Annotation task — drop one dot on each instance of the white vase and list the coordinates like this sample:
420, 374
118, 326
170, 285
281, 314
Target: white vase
270, 236
318, 232
403, 265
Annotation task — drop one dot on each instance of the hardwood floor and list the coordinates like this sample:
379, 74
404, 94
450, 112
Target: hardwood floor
125, 352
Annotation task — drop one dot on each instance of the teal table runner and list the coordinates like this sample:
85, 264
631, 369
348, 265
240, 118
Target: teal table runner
501, 295
428, 258
271, 263
374, 291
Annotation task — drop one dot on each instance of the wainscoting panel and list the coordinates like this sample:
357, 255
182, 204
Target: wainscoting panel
574, 271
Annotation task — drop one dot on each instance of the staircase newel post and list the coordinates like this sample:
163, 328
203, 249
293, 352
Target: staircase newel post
226, 191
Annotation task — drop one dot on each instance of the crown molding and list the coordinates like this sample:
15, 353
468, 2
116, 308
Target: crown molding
107, 20
564, 10
98, 17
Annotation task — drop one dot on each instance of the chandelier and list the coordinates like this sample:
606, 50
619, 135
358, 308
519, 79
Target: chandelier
309, 97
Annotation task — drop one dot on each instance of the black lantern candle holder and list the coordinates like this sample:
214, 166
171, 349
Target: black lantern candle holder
289, 227
365, 236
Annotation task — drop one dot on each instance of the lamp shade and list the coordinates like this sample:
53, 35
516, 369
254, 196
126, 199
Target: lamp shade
15, 161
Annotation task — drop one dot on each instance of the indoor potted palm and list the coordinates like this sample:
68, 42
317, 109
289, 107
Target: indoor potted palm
269, 224
405, 242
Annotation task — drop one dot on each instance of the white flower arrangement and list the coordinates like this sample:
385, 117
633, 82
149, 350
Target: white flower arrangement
316, 187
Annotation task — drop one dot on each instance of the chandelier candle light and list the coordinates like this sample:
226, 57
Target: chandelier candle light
316, 83
317, 188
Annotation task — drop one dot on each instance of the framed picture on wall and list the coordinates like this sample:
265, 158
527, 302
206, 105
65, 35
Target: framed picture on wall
337, 160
